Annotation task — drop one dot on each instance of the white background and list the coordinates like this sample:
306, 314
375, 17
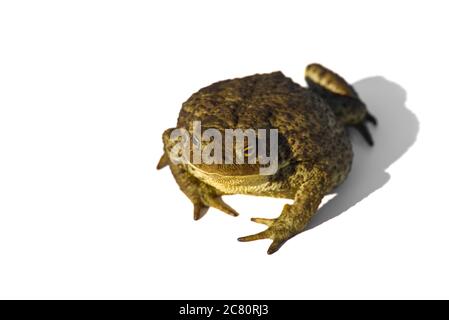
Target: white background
87, 88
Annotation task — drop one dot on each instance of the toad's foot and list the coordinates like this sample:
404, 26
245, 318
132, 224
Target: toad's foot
207, 197
202, 195
279, 230
363, 129
294, 217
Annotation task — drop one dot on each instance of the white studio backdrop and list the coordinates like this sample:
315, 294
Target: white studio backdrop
88, 87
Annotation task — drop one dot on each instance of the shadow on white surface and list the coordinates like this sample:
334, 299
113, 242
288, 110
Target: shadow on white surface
395, 133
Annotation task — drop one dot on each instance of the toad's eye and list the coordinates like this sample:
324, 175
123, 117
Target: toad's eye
248, 151
196, 141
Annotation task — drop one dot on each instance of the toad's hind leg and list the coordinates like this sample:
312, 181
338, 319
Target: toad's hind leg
341, 97
295, 217
202, 195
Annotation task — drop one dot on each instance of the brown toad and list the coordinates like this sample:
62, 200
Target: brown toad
314, 153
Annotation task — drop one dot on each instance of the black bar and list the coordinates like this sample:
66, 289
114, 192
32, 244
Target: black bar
222, 309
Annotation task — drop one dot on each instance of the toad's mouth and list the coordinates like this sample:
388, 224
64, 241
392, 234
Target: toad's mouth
229, 170
225, 170
227, 177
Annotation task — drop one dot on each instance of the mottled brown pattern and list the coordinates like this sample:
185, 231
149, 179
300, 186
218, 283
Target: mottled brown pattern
314, 149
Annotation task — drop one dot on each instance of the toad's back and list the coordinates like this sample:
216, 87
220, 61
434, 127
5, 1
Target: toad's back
305, 121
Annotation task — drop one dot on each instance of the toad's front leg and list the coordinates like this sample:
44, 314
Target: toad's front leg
202, 195
295, 217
